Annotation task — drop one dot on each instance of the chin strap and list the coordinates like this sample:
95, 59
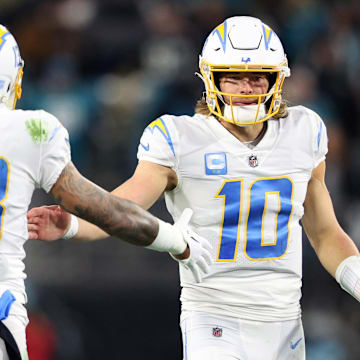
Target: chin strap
245, 115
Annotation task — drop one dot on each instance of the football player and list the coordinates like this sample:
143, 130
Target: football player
35, 152
250, 168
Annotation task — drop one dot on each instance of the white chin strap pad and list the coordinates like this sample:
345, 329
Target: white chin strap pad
244, 114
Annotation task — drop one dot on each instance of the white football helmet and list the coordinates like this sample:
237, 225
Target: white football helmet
11, 69
243, 44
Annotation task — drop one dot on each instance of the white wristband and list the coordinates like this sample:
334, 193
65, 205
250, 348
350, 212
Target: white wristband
348, 275
73, 228
169, 239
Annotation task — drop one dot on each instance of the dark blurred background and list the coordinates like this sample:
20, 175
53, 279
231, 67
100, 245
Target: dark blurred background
106, 68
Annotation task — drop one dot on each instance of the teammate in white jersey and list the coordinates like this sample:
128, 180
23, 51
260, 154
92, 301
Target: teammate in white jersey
35, 153
250, 168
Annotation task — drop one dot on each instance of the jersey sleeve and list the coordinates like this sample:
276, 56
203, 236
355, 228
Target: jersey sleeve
321, 141
159, 143
55, 150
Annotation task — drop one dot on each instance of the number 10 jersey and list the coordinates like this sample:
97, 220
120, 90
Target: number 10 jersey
246, 202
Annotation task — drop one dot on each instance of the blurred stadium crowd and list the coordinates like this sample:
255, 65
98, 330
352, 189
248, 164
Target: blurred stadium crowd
107, 68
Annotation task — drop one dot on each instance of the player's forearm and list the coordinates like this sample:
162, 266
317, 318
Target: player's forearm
333, 249
118, 217
126, 221
88, 232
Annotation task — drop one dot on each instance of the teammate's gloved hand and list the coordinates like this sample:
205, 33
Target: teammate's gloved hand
199, 260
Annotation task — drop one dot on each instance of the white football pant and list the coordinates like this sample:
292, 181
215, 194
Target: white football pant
16, 324
213, 337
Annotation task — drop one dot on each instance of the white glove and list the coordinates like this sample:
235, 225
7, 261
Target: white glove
200, 259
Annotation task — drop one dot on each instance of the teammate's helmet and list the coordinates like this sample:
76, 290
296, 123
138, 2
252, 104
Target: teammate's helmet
11, 69
243, 44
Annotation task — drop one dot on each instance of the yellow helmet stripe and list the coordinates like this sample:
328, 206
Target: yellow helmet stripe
3, 33
221, 32
267, 36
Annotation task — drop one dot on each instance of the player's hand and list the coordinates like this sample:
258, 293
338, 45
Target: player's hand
199, 259
47, 223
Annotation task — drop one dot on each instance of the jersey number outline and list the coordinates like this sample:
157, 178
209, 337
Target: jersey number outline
277, 191
4, 187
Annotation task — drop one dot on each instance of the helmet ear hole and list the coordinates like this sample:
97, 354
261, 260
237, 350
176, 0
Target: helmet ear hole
217, 79
272, 79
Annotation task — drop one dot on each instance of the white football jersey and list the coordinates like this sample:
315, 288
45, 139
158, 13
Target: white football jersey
34, 151
246, 202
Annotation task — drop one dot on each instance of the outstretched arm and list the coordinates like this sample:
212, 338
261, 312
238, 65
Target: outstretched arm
334, 248
330, 242
116, 216
128, 221
51, 223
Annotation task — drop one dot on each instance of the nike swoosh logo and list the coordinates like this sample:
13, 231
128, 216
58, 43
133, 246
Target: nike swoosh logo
146, 147
293, 346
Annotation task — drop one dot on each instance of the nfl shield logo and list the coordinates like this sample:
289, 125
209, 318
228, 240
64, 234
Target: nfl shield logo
253, 161
217, 332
